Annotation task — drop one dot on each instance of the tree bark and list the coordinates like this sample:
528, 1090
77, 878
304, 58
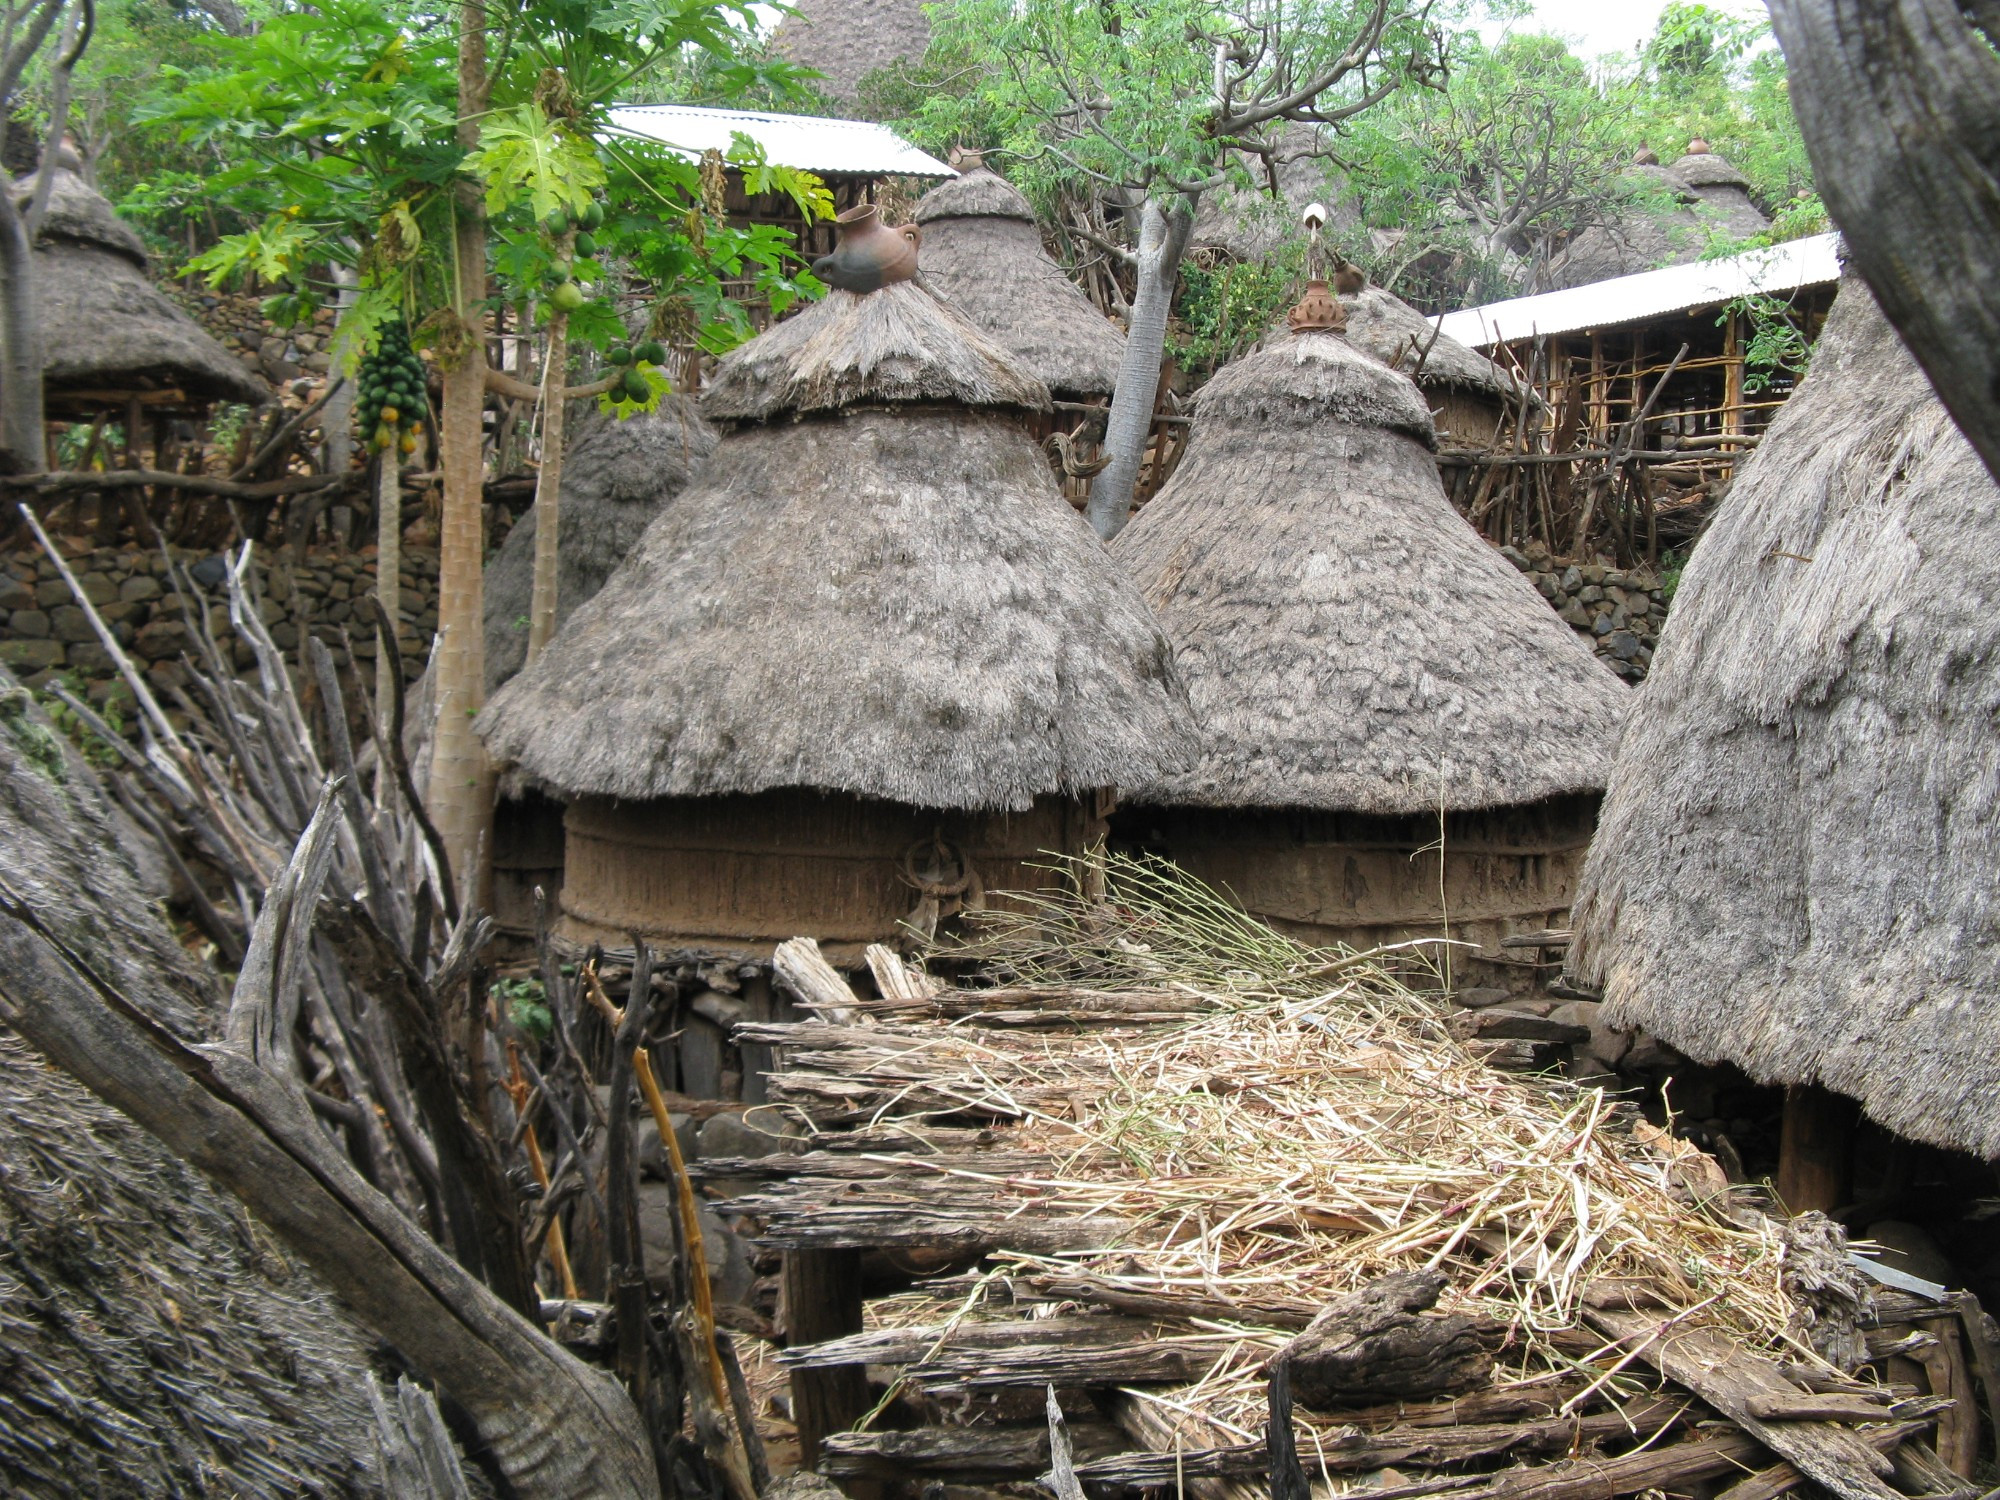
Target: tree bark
548, 480
1163, 238
1898, 102
22, 449
388, 573
462, 781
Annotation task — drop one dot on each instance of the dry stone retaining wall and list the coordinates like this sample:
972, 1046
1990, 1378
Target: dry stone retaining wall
1618, 611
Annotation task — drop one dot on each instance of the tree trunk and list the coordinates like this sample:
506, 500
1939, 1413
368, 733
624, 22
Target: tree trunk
548, 481
388, 574
337, 418
1896, 100
461, 787
1163, 237
21, 435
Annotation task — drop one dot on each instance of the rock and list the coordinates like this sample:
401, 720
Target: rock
68, 622
88, 656
15, 594
1479, 999
161, 640
30, 656
139, 589
1594, 573
1515, 556
1545, 585
1589, 594
1575, 616
653, 1156
729, 1134
1601, 625
29, 624
1607, 1044
1622, 644
1510, 1023
730, 1274
1577, 1013
98, 588
1572, 579
1649, 1053
51, 594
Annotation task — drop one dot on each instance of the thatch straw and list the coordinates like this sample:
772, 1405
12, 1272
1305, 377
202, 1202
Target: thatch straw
1349, 642
156, 1341
889, 602
899, 345
616, 476
1317, 1129
846, 40
105, 327
1794, 866
1384, 325
983, 254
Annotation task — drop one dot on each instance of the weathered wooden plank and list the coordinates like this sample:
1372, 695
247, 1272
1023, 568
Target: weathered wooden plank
822, 1301
857, 1166
903, 1346
962, 1454
1709, 1363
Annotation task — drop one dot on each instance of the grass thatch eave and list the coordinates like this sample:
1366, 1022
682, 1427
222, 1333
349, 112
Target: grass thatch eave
891, 603
105, 326
1384, 325
1795, 865
900, 345
1348, 641
616, 476
984, 256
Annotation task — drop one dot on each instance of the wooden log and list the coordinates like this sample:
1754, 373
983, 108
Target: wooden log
904, 1346
1548, 937
965, 1455
1815, 1149
1378, 1342
1505, 1023
1709, 1363
1184, 1305
1782, 1478
1815, 1408
1951, 1376
701, 1058
798, 965
1984, 1347
822, 1301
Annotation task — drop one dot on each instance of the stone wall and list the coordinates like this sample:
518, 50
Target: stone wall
1618, 611
43, 634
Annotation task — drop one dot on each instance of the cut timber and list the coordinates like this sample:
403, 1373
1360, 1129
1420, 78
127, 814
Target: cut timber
822, 1300
907, 1346
800, 968
1053, 1351
1815, 1149
1710, 1364
960, 1454
1379, 1342
1548, 937
1816, 1408
1951, 1376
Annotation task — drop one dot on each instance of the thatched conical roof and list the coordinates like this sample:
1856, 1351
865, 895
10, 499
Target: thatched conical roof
1724, 192
876, 591
1795, 867
983, 254
1348, 641
846, 40
105, 326
155, 1340
1382, 324
616, 476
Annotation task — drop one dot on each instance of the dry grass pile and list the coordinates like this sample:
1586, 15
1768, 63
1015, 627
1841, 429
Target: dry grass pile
1318, 1128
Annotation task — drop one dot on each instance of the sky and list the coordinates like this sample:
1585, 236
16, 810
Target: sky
1598, 26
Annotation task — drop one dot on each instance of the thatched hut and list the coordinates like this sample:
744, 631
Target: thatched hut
108, 334
983, 254
616, 476
865, 662
155, 1340
1794, 870
1672, 216
846, 40
1370, 678
1468, 394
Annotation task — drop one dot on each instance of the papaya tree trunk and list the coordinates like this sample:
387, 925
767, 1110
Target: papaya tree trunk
388, 573
548, 481
21, 432
1163, 238
461, 786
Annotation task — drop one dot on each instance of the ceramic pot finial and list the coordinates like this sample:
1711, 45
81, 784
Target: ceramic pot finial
870, 254
1319, 311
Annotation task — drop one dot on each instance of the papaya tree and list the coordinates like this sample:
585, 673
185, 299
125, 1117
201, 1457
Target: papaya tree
456, 163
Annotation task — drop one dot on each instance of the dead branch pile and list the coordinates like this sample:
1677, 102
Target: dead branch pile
1175, 1154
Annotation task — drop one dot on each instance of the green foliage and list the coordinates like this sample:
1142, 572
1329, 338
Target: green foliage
1226, 309
524, 155
42, 749
101, 754
526, 1004
1777, 349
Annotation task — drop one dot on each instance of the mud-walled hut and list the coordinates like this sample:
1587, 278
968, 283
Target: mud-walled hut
1468, 394
1794, 872
155, 1340
617, 474
1371, 680
863, 670
109, 336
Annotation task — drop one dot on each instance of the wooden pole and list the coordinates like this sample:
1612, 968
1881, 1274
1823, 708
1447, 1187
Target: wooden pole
1732, 381
822, 1300
1815, 1149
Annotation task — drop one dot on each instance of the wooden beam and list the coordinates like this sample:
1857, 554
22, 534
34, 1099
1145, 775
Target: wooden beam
1815, 1149
822, 1301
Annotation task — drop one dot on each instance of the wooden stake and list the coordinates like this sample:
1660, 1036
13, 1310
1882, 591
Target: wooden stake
1815, 1149
822, 1296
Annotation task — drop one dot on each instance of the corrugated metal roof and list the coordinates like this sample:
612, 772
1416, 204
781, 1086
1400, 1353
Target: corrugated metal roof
1628, 299
856, 148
